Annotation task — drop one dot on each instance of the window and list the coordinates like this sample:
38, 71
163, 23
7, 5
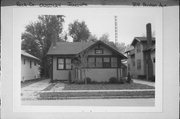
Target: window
106, 62
30, 63
138, 48
133, 62
98, 61
102, 62
60, 63
24, 61
34, 63
68, 64
91, 62
98, 51
114, 62
64, 63
138, 64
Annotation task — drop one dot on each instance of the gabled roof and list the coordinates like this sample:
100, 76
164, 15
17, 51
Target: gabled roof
68, 48
141, 39
129, 49
23, 53
74, 48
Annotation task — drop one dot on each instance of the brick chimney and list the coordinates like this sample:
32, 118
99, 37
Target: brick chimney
149, 35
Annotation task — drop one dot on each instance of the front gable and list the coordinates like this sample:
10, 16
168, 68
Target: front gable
100, 48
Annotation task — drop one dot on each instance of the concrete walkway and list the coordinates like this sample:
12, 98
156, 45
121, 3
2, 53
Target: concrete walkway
31, 91
144, 82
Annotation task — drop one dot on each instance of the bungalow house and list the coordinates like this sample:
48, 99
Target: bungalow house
98, 61
29, 66
141, 57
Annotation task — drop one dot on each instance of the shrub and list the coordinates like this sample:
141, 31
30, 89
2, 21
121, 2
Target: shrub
129, 78
113, 80
88, 80
122, 80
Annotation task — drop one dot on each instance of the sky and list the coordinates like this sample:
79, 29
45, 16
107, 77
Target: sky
131, 21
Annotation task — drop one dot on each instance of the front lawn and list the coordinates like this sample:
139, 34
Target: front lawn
106, 86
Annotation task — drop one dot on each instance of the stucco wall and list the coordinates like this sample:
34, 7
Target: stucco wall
28, 73
59, 74
101, 75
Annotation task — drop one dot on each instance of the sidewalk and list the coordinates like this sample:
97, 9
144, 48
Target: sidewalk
144, 82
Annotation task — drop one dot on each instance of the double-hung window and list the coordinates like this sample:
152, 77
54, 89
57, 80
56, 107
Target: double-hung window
91, 62
114, 62
106, 62
64, 63
99, 62
60, 63
138, 64
68, 63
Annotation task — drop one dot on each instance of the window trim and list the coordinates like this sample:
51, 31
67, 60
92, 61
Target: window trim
64, 62
95, 51
104, 56
107, 62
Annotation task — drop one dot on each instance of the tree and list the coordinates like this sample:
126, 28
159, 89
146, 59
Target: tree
121, 47
104, 37
38, 37
79, 31
92, 38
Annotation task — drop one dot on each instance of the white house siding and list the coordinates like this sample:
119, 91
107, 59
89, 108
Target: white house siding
132, 69
139, 56
59, 74
101, 75
28, 73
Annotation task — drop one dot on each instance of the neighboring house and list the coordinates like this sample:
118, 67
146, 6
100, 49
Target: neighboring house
98, 61
29, 66
141, 58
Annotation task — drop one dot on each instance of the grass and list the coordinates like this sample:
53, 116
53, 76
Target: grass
96, 95
106, 86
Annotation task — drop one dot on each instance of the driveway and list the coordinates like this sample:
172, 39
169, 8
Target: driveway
144, 82
31, 91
